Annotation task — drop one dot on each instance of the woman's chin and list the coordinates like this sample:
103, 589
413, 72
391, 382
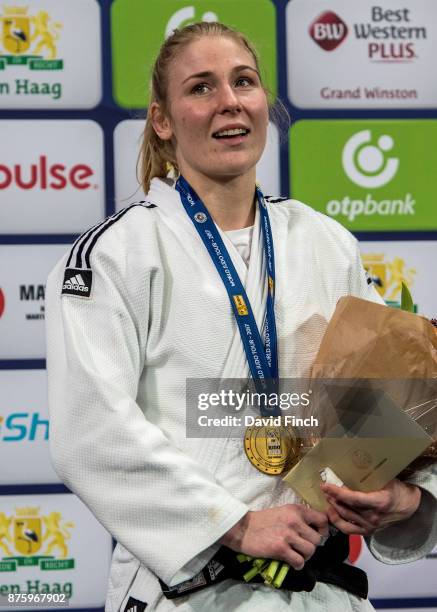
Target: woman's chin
231, 169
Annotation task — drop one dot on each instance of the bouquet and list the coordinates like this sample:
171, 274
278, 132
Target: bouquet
365, 340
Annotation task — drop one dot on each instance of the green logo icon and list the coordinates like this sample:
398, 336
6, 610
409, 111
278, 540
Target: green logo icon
139, 28
368, 175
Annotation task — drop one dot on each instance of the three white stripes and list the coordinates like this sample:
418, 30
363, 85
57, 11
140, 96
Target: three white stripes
75, 280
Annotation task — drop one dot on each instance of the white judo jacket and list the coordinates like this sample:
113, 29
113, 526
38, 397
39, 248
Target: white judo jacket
143, 309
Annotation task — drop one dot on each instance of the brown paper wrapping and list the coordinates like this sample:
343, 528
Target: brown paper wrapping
365, 340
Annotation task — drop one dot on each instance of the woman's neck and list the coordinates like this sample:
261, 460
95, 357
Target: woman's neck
230, 202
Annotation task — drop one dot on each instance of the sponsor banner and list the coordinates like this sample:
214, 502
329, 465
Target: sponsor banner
368, 175
139, 28
24, 428
52, 177
50, 54
53, 544
362, 54
127, 137
22, 290
415, 580
413, 262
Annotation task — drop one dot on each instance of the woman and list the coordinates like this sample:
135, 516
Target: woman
145, 306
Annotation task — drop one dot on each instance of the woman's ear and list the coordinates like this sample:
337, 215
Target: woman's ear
160, 122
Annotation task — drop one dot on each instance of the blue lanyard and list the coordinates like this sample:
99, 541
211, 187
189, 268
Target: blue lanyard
262, 357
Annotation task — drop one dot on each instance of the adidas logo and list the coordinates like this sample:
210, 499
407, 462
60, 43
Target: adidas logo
214, 568
77, 282
135, 605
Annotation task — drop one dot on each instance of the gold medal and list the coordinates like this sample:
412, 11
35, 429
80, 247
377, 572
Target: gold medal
271, 450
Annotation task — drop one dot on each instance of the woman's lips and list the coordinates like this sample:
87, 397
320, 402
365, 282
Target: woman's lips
232, 140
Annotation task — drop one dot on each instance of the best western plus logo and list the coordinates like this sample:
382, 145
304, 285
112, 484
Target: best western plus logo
389, 35
328, 30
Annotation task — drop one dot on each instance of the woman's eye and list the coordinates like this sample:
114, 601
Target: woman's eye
244, 81
200, 88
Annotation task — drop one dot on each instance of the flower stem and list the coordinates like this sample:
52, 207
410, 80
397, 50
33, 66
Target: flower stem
271, 571
280, 576
253, 572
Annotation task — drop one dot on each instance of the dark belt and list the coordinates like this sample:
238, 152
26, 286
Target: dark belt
326, 565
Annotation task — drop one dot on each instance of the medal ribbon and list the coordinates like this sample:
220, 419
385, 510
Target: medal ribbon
262, 357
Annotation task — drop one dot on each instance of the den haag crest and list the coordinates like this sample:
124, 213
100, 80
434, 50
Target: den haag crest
387, 276
29, 538
29, 39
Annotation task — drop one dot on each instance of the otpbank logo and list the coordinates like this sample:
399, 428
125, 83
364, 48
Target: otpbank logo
369, 175
328, 30
365, 164
55, 183
139, 28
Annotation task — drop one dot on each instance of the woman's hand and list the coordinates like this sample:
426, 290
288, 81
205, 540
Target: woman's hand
288, 533
364, 513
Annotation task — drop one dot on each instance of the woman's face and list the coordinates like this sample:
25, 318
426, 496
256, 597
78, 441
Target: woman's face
218, 112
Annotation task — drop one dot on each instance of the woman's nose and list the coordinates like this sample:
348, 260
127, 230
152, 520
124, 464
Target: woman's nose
228, 99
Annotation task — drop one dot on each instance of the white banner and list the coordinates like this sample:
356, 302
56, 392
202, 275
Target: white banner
24, 428
22, 290
415, 580
52, 544
51, 176
412, 261
127, 137
365, 54
50, 54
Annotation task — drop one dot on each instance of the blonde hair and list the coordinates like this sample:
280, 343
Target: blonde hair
157, 156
